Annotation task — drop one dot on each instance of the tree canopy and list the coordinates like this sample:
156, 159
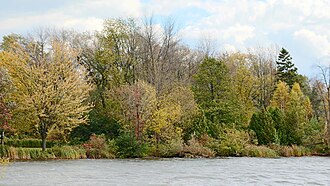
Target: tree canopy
50, 88
144, 92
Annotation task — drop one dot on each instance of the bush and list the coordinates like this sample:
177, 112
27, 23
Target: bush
320, 149
231, 143
4, 151
99, 123
129, 147
99, 147
259, 151
171, 148
195, 149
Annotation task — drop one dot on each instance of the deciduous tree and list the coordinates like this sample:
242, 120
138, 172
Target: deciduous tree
49, 86
323, 87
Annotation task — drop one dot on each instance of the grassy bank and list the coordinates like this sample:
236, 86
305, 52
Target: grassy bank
64, 152
98, 147
79, 152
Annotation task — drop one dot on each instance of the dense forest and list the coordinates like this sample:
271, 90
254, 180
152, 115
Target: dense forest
134, 90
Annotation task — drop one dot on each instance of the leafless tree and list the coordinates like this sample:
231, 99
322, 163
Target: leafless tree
323, 86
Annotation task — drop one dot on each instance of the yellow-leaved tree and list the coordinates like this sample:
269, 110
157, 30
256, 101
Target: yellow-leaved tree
243, 85
51, 89
281, 96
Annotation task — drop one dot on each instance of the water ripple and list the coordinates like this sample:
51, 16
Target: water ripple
229, 171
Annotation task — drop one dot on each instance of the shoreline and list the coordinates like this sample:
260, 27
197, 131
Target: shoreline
80, 152
7, 160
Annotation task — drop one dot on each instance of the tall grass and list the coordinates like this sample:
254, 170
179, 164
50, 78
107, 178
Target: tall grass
289, 151
259, 151
69, 152
274, 150
14, 153
19, 153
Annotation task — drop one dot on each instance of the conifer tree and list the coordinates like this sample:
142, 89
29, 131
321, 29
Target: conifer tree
286, 71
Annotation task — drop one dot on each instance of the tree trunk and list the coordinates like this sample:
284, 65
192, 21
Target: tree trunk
2, 136
43, 139
327, 129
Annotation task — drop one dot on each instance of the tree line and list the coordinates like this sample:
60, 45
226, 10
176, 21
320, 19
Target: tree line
146, 90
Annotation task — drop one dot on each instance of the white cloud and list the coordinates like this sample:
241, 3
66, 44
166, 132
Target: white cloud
239, 32
107, 8
234, 24
84, 24
82, 16
315, 8
229, 48
161, 7
319, 44
51, 19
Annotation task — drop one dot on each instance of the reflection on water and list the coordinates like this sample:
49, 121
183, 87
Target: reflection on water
228, 171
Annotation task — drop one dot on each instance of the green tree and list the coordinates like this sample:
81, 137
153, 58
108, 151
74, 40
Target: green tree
211, 89
50, 89
282, 129
286, 71
263, 125
109, 56
298, 114
297, 111
9, 41
242, 86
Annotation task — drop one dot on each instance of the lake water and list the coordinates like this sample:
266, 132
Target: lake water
227, 171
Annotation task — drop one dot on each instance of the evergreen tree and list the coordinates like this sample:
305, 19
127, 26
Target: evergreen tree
286, 71
263, 125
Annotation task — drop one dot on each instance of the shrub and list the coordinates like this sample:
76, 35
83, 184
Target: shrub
259, 151
195, 149
129, 147
320, 149
4, 150
171, 148
99, 147
231, 143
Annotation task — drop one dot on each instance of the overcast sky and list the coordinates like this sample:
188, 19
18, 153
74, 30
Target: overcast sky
300, 26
